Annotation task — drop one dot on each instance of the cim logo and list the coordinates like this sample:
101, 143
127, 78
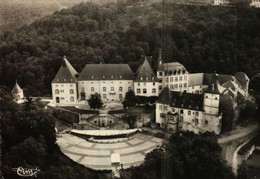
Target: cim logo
26, 172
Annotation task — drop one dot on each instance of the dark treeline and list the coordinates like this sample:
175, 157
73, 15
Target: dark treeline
203, 38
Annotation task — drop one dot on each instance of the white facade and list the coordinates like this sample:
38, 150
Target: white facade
211, 103
175, 82
64, 93
255, 3
110, 90
146, 89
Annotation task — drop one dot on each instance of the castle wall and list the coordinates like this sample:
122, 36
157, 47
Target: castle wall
151, 88
64, 93
109, 90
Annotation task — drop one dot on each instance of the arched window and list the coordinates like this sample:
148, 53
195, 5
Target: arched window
71, 99
154, 90
144, 90
138, 91
56, 91
71, 91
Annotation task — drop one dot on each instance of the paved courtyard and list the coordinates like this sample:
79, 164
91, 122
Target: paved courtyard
97, 155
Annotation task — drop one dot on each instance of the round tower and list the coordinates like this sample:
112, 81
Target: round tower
17, 92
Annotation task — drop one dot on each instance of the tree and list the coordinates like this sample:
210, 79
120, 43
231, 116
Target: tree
130, 100
185, 155
95, 101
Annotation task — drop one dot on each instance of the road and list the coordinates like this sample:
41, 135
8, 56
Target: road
237, 134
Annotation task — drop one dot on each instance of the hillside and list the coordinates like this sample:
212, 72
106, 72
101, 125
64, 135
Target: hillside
16, 13
203, 38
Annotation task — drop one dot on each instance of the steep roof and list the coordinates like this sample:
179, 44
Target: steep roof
16, 88
214, 86
181, 100
206, 78
66, 73
106, 72
242, 78
230, 84
145, 73
172, 68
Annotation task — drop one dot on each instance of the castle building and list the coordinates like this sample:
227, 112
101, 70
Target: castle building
180, 111
111, 81
146, 82
172, 75
64, 85
17, 92
255, 3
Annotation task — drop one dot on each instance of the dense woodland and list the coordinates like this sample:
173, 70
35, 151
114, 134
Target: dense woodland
203, 38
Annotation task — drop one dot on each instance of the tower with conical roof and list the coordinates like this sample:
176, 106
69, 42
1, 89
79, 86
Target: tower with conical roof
146, 82
17, 92
64, 85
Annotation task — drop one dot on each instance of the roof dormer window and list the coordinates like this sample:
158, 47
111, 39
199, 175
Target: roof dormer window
152, 78
103, 76
120, 76
57, 79
112, 76
64, 79
141, 78
71, 79
146, 78
92, 77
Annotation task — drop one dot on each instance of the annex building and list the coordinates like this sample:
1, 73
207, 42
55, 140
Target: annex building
186, 101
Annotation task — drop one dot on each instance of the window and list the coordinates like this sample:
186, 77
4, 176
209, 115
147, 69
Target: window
62, 98
146, 78
71, 91
153, 84
160, 107
112, 76
82, 89
180, 85
92, 88
152, 78
56, 85
173, 110
138, 91
171, 86
162, 115
112, 88
120, 88
129, 88
185, 85
120, 76
104, 89
206, 96
181, 111
171, 79
141, 78
71, 99
176, 78
165, 108
176, 86
138, 84
62, 91
154, 90
160, 73
56, 91
206, 122
185, 78
144, 84
189, 113
167, 80
144, 90
181, 118
160, 80
120, 96
160, 87
92, 77
216, 97
180, 78
197, 113
104, 96
71, 85
103, 76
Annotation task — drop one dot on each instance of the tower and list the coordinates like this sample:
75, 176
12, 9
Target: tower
17, 92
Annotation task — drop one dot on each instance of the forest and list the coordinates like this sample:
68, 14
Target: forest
202, 38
